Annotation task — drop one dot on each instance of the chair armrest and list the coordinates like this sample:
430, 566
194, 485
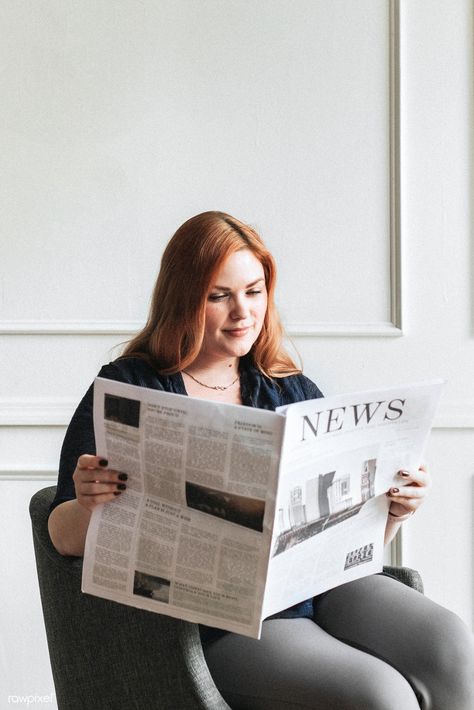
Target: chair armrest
408, 576
110, 655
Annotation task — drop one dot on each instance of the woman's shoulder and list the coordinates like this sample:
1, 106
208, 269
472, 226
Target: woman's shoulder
134, 371
297, 388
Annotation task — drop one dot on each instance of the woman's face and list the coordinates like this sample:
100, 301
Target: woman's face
235, 308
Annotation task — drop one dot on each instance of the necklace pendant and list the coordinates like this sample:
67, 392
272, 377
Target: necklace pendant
221, 388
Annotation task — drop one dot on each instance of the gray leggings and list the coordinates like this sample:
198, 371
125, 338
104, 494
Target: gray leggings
374, 644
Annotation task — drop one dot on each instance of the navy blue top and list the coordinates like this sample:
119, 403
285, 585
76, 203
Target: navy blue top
256, 391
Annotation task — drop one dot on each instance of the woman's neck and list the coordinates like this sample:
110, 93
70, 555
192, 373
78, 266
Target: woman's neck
219, 370
218, 381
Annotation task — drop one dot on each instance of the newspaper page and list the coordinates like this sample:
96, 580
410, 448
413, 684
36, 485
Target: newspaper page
190, 537
233, 513
340, 456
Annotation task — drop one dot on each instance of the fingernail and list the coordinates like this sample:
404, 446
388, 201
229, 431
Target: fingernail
123, 476
117, 493
395, 490
405, 474
121, 486
103, 462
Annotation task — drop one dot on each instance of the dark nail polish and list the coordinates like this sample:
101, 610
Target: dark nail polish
123, 476
103, 462
117, 493
395, 490
121, 486
405, 474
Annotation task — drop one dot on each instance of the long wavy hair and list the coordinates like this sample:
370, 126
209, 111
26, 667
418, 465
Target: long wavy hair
173, 334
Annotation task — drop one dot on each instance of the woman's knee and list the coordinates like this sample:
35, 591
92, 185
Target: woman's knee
386, 690
450, 663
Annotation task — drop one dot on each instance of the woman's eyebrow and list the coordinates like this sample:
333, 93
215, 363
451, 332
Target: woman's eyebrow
226, 288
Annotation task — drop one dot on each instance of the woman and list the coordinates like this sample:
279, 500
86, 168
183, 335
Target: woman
213, 333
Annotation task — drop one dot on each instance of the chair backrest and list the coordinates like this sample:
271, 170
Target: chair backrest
111, 656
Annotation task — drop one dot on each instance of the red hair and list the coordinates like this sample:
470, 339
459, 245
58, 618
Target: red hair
173, 334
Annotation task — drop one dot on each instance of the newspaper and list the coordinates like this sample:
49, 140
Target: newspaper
232, 513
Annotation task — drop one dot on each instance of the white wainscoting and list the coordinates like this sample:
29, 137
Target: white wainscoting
24, 659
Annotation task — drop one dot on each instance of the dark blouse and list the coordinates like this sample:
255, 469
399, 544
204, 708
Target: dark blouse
256, 391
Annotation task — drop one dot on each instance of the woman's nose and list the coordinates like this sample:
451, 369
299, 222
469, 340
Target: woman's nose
239, 309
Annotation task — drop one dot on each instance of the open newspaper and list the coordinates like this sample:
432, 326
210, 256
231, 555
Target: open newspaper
231, 513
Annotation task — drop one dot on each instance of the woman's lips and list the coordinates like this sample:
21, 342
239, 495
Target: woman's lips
237, 332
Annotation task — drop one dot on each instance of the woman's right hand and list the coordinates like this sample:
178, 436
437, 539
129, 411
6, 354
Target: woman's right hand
95, 483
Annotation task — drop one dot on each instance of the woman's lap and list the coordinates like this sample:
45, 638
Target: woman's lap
375, 644
429, 645
298, 665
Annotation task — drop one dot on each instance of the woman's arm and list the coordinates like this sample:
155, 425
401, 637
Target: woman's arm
406, 499
67, 527
94, 484
71, 508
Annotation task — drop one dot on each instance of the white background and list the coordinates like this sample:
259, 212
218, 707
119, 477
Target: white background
122, 119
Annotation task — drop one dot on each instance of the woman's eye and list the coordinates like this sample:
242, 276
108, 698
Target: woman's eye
221, 296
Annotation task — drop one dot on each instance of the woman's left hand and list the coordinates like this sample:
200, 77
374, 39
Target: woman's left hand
413, 488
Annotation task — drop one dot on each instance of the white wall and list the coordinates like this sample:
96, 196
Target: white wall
123, 119
24, 663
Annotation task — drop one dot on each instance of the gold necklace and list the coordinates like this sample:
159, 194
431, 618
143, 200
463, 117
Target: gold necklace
211, 387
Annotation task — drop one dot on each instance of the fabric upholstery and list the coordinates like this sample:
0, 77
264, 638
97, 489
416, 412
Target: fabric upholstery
115, 657
408, 576
111, 656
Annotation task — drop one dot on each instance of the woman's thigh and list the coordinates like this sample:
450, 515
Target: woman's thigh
297, 665
426, 643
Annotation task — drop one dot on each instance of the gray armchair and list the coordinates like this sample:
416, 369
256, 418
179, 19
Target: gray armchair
115, 657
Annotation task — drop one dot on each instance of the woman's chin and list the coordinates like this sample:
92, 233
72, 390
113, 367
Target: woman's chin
229, 347
239, 349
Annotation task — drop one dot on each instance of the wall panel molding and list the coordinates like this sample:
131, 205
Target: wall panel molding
126, 329
343, 330
36, 412
24, 474
309, 329
70, 327
456, 416
396, 291
29, 412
